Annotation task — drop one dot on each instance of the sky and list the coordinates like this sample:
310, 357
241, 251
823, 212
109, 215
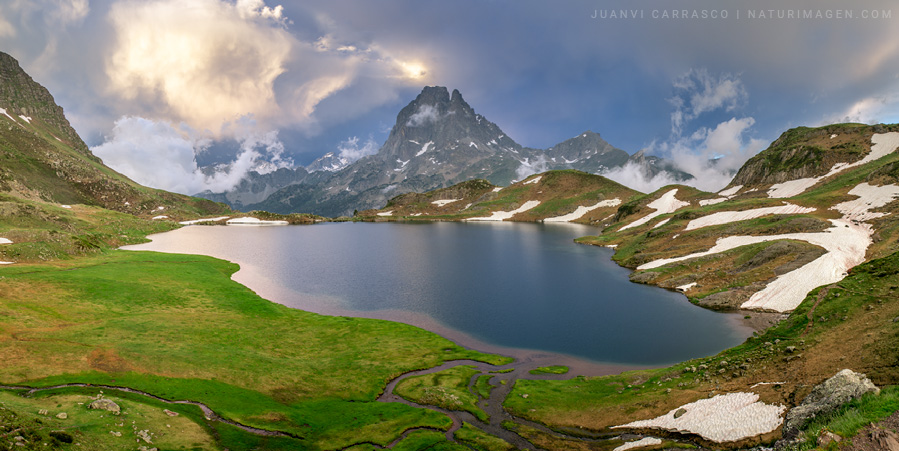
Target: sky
159, 88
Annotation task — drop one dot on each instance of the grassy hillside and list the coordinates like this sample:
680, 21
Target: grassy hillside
559, 192
177, 327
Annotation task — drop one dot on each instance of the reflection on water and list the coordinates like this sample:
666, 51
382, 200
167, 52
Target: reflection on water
494, 286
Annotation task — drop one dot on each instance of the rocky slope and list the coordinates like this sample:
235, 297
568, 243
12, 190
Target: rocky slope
438, 140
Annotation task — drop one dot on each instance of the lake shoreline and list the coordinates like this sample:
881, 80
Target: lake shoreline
260, 281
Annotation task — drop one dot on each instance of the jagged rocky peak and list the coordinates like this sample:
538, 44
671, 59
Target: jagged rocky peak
438, 121
587, 146
22, 98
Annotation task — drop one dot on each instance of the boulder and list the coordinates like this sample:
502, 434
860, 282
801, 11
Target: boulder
826, 397
105, 404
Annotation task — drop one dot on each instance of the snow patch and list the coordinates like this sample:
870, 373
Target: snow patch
581, 211
6, 263
792, 188
25, 118
197, 221
3, 112
472, 144
386, 213
706, 202
725, 217
732, 191
661, 223
663, 205
724, 418
833, 136
155, 218
533, 180
503, 215
67, 207
249, 220
424, 149
442, 202
497, 189
686, 288
643, 442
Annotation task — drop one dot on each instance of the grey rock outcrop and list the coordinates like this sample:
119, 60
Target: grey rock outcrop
843, 387
105, 404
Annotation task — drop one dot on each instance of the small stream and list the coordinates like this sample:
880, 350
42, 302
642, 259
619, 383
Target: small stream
492, 406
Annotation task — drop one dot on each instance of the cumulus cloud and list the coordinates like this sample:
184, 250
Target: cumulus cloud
712, 155
528, 167
869, 110
697, 92
209, 61
352, 150
634, 176
425, 114
162, 155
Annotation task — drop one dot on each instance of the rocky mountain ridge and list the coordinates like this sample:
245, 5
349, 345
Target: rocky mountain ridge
438, 140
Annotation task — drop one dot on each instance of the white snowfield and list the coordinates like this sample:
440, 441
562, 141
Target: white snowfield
5, 241
643, 442
497, 189
686, 288
424, 148
663, 205
882, 144
724, 418
533, 180
725, 217
730, 192
197, 221
156, 218
581, 211
386, 213
846, 243
661, 223
503, 215
249, 220
717, 200
443, 202
3, 112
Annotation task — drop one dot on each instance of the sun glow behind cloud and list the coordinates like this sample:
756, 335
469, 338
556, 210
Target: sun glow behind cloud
413, 70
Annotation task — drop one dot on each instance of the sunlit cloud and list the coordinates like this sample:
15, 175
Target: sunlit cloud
208, 61
163, 155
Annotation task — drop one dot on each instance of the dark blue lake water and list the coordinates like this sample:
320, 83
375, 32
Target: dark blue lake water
524, 286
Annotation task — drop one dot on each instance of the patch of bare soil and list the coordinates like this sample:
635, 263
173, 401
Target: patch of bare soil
883, 436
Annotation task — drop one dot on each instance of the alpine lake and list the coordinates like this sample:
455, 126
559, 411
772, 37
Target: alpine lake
520, 289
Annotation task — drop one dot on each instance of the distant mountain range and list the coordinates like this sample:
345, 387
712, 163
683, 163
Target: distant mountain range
438, 140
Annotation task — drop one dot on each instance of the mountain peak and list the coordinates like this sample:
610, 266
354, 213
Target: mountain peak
21, 96
433, 95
